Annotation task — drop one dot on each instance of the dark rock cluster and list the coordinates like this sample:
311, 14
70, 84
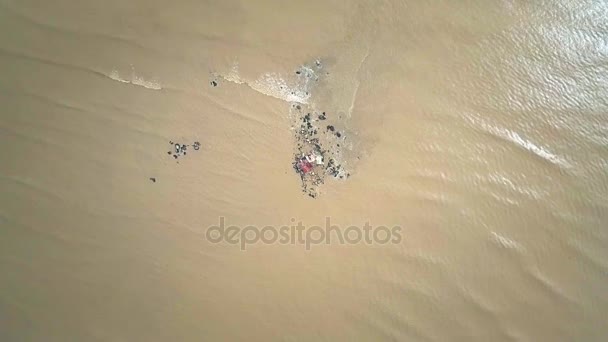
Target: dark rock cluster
320, 137
180, 150
316, 151
318, 141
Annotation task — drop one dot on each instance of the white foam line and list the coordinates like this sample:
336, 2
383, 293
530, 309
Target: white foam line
233, 76
135, 80
538, 150
270, 84
505, 242
356, 91
515, 138
274, 85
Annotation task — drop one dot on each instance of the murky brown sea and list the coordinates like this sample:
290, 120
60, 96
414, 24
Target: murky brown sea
479, 127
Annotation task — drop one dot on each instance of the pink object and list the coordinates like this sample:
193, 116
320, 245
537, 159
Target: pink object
304, 166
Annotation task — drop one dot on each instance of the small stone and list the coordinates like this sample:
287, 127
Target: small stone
153, 179
213, 83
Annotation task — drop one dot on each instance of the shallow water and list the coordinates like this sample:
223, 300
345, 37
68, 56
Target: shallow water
478, 127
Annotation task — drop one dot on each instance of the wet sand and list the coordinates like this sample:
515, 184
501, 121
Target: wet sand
479, 128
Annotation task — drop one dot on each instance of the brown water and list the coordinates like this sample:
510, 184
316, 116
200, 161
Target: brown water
479, 127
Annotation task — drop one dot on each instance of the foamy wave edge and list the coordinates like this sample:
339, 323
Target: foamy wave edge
135, 80
273, 85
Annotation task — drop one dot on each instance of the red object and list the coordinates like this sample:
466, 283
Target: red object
304, 166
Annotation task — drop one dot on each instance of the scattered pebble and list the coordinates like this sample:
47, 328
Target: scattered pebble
180, 150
